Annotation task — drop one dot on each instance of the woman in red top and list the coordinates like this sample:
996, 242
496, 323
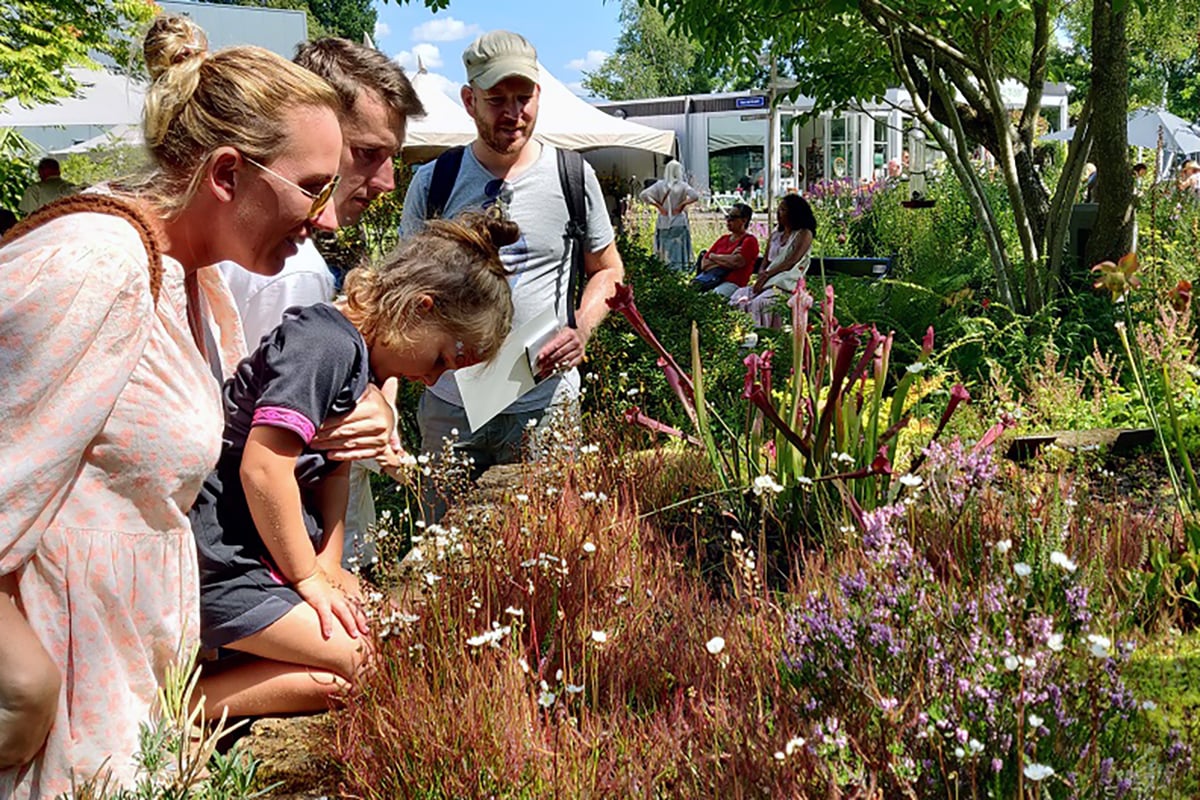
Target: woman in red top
729, 263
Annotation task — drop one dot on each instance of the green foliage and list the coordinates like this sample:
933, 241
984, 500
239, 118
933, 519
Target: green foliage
104, 164
624, 365
350, 19
650, 60
1163, 65
18, 158
40, 41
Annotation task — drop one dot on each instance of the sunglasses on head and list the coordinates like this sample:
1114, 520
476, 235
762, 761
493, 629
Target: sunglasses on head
320, 199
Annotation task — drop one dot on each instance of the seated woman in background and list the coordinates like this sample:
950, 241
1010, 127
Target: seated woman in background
728, 264
785, 262
115, 330
269, 523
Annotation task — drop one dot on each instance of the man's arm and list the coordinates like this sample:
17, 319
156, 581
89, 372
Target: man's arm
566, 350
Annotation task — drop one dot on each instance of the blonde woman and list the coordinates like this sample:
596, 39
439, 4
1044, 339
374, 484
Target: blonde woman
671, 196
114, 335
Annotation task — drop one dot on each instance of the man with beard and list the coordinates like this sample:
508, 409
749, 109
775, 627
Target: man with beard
506, 168
377, 99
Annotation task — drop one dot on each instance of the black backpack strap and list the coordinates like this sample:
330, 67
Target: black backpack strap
445, 173
570, 174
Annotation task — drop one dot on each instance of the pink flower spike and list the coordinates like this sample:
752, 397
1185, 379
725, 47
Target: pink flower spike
927, 343
958, 394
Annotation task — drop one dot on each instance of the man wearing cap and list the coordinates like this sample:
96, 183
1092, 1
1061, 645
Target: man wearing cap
506, 167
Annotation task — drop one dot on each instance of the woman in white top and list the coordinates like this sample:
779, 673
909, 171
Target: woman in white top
672, 237
786, 261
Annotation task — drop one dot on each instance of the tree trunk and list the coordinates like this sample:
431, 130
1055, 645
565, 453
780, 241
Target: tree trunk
1113, 235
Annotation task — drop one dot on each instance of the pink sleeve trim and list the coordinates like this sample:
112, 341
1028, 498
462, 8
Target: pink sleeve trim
278, 417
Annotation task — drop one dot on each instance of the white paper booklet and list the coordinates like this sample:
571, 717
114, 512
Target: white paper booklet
488, 389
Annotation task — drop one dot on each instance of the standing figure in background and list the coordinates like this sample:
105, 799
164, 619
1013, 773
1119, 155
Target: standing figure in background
671, 196
1189, 177
46, 189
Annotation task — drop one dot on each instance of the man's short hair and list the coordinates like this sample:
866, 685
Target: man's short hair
349, 68
48, 163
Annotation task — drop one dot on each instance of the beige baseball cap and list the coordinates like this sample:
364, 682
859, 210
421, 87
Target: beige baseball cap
497, 55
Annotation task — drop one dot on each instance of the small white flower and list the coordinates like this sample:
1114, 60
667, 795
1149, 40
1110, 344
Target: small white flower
1060, 559
431, 579
522, 498
915, 367
1055, 642
804, 480
1038, 772
573, 689
765, 483
1099, 645
1011, 663
959, 752
1022, 569
589, 548
715, 645
910, 480
599, 637
587, 496
779, 756
531, 424
795, 743
513, 611
558, 674
975, 746
1035, 721
546, 698
737, 537
523, 663
1149, 705
1003, 546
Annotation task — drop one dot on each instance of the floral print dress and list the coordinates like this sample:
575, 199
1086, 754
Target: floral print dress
110, 419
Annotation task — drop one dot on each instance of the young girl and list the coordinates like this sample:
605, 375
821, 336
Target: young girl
269, 521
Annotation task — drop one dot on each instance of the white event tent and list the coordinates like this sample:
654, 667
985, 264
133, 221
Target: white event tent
564, 120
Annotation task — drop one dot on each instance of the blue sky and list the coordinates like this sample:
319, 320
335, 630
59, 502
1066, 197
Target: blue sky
570, 36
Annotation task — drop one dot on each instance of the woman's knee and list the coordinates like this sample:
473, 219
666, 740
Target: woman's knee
28, 705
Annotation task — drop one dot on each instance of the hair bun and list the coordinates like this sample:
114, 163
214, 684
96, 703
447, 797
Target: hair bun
501, 231
172, 40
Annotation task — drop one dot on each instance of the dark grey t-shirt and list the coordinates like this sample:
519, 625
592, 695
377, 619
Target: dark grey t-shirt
539, 261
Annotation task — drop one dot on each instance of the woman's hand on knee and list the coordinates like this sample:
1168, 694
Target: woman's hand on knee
30, 684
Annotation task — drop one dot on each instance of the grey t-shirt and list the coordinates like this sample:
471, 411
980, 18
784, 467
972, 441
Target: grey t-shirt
539, 261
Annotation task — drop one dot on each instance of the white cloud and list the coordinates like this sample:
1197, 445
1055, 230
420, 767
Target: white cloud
591, 61
430, 57
445, 29
382, 29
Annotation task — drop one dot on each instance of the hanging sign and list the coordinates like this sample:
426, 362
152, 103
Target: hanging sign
754, 101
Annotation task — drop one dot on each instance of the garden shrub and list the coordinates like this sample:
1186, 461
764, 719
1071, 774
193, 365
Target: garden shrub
624, 365
976, 674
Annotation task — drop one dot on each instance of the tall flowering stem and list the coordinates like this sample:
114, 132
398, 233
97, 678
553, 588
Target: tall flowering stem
622, 302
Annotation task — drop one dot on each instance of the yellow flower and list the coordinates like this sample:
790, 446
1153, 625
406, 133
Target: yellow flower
1118, 279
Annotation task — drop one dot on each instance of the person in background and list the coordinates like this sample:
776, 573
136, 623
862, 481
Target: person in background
672, 236
508, 172
377, 100
786, 260
728, 264
116, 331
46, 189
1189, 177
